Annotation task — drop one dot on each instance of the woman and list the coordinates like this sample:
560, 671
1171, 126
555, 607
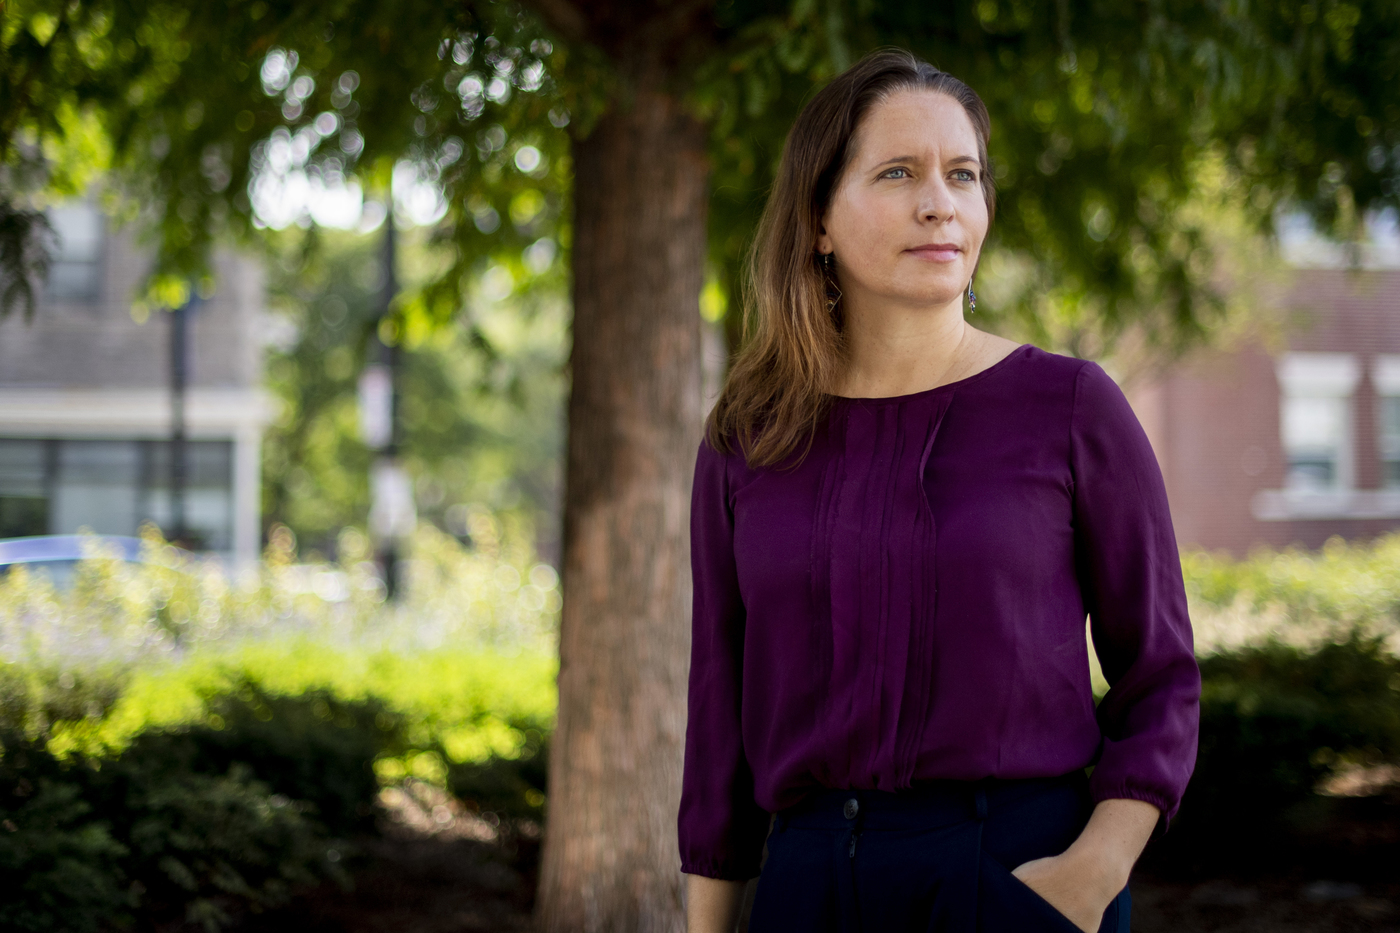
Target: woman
898, 526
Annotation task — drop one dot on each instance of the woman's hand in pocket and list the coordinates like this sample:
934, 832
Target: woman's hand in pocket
1084, 880
1079, 890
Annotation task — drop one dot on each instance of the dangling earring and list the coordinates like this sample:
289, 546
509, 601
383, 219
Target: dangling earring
828, 260
971, 297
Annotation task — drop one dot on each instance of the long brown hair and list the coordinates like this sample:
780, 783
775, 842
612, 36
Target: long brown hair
779, 386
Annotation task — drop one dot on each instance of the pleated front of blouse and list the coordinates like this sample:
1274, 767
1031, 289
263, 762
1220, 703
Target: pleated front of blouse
875, 589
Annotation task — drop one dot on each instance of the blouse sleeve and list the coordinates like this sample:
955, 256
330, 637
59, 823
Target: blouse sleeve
1130, 573
722, 829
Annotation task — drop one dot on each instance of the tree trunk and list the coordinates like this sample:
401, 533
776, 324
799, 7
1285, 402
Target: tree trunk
610, 861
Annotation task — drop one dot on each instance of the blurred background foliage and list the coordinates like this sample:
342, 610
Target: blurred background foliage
1300, 706
1296, 596
480, 405
181, 746
1106, 119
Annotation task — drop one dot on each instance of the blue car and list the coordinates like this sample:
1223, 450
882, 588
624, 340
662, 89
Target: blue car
58, 555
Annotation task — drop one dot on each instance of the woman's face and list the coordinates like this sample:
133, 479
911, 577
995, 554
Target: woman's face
907, 218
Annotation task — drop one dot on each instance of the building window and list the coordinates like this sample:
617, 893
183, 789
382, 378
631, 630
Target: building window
75, 273
1385, 376
208, 490
25, 467
57, 486
1316, 419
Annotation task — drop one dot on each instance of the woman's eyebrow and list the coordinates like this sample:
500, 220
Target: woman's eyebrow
955, 160
903, 158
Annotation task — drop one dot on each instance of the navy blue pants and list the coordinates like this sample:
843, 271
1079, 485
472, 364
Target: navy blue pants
935, 858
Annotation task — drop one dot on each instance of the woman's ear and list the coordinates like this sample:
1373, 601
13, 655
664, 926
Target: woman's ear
823, 240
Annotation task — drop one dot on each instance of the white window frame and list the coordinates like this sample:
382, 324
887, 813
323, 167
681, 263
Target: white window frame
1329, 376
1385, 378
76, 268
1322, 376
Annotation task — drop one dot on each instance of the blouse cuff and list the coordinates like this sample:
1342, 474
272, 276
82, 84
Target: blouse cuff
1122, 790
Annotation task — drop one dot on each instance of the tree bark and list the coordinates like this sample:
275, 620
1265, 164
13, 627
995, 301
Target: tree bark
610, 861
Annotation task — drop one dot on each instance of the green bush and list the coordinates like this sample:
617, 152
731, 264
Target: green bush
183, 746
1276, 720
1294, 596
207, 848
512, 788
92, 844
35, 699
205, 790
198, 821
316, 748
63, 869
1299, 680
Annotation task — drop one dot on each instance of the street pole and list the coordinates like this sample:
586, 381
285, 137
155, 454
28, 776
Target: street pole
179, 389
392, 515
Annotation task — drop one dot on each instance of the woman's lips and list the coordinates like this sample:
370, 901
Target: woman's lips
939, 252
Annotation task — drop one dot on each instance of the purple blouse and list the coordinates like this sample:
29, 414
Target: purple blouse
908, 603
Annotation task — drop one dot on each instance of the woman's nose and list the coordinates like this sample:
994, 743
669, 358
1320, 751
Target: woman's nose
935, 202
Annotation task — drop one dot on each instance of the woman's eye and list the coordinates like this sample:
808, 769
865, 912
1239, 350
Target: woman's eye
963, 174
891, 173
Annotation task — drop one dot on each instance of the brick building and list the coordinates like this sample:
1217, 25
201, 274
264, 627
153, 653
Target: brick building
85, 400
1299, 442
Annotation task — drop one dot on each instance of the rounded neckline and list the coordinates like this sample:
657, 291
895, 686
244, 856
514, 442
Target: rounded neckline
1019, 351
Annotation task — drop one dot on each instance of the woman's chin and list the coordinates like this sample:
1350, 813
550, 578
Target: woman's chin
934, 298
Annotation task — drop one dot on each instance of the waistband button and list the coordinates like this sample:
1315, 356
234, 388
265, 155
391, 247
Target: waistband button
851, 808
